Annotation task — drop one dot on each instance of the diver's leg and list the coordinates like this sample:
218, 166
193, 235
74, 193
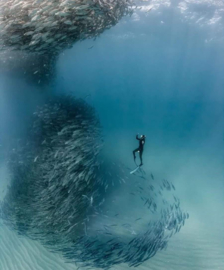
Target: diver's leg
136, 150
140, 155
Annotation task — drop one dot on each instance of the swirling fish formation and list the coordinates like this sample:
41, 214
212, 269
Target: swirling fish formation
66, 193
49, 26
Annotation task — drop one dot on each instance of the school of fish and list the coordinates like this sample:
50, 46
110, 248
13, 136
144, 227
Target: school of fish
49, 26
67, 193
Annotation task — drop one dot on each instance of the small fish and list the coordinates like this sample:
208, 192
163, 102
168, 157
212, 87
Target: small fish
88, 95
146, 202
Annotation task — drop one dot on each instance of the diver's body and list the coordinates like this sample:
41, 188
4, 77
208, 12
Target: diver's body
140, 148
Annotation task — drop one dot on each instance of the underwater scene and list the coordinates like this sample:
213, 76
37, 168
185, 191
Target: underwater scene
111, 134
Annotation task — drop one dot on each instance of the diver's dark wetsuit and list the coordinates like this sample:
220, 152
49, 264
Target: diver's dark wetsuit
140, 148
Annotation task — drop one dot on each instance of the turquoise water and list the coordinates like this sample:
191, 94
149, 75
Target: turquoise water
158, 73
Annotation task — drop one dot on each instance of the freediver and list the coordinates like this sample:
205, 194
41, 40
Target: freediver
140, 148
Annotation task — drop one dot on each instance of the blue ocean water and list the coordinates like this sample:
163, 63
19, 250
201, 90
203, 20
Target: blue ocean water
158, 73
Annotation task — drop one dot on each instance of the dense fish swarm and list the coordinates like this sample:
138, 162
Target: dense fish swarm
48, 26
67, 194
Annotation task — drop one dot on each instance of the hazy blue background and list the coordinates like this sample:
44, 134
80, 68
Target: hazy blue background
160, 74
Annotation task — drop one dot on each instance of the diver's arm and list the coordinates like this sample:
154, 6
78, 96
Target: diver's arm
137, 137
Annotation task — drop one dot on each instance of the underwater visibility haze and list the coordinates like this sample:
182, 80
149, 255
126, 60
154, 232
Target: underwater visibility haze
79, 79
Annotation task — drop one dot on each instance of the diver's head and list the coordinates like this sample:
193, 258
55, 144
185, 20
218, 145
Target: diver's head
143, 136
